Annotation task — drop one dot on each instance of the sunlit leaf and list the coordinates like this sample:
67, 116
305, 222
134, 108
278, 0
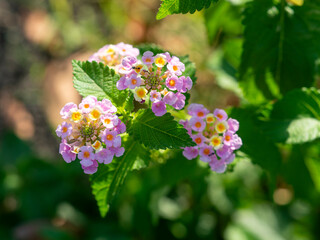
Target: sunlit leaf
169, 7
92, 78
159, 132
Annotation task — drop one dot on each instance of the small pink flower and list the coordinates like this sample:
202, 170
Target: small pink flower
133, 81
122, 83
233, 125
127, 49
109, 120
175, 66
190, 152
224, 152
228, 138
159, 108
205, 153
104, 156
65, 151
187, 84
90, 169
86, 156
148, 58
87, 104
174, 83
199, 139
197, 110
220, 114
170, 98
217, 165
236, 142
117, 151
155, 96
181, 101
64, 130
120, 128
109, 137
197, 124
107, 106
66, 110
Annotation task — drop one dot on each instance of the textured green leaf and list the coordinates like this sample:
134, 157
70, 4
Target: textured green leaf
303, 102
169, 7
292, 131
107, 182
159, 132
92, 78
295, 118
282, 41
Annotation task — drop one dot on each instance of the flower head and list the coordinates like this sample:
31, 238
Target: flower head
112, 55
92, 133
155, 78
215, 136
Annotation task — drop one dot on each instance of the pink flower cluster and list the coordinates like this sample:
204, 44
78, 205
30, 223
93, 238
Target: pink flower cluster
215, 136
158, 76
112, 55
91, 131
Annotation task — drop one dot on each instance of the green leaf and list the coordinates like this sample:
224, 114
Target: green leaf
222, 21
92, 78
169, 7
159, 132
297, 174
292, 131
107, 182
280, 41
256, 145
296, 118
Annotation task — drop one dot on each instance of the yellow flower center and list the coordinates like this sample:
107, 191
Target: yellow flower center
219, 116
76, 116
160, 61
107, 121
86, 154
198, 124
134, 81
87, 105
95, 114
206, 151
96, 145
172, 82
200, 114
109, 137
227, 138
216, 141
221, 127
210, 119
64, 129
141, 93
175, 68
198, 140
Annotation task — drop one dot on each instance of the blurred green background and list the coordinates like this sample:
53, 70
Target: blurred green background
41, 197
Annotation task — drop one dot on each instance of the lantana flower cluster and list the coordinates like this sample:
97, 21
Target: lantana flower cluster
91, 132
159, 77
215, 136
112, 55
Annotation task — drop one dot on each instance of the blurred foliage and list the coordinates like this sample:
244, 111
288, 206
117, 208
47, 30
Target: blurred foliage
271, 191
